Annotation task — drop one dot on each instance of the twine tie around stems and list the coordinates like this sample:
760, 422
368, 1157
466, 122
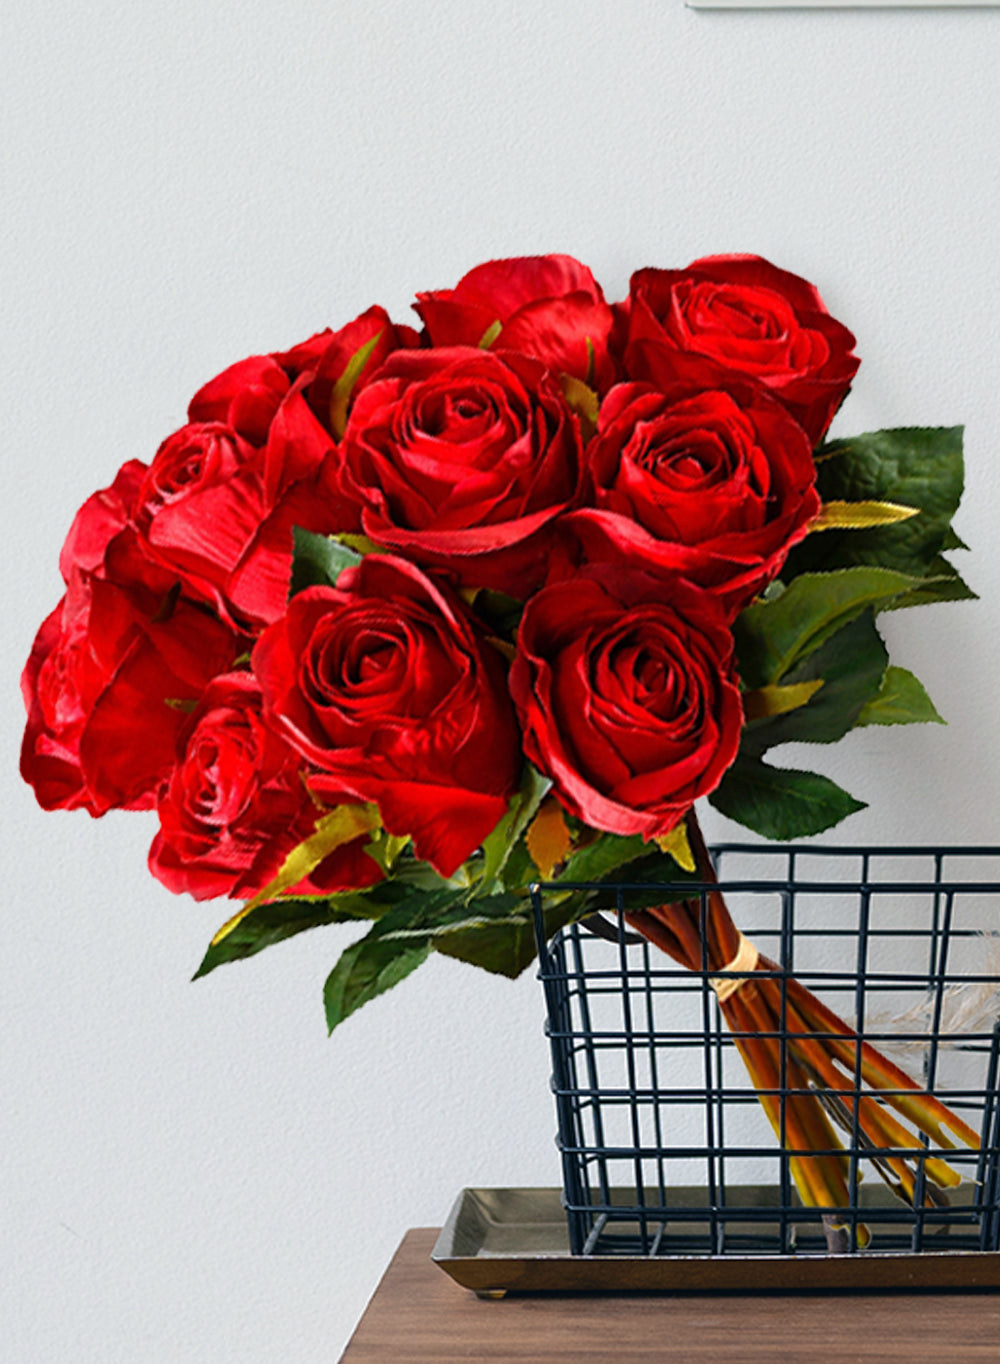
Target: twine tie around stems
745, 961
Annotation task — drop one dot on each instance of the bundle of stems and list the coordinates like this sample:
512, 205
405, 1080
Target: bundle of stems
809, 1067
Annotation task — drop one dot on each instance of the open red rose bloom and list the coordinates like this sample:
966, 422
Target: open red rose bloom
399, 621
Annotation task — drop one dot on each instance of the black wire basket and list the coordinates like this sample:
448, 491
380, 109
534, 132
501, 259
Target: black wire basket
665, 1149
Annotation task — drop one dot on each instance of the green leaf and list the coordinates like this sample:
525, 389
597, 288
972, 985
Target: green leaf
501, 937
420, 876
781, 803
496, 934
630, 859
500, 613
915, 466
605, 855
653, 878
504, 949
450, 915
318, 560
507, 945
772, 637
346, 384
498, 845
386, 849
661, 874
395, 945
901, 701
851, 665
943, 583
281, 919
519, 871
493, 932
366, 969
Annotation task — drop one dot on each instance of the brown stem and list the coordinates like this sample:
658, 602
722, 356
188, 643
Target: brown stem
792, 1046
724, 936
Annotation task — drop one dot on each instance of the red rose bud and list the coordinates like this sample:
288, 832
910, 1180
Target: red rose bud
548, 307
627, 696
236, 805
714, 484
749, 316
385, 684
459, 458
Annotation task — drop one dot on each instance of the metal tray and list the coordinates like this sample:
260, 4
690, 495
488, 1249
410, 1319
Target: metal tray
515, 1240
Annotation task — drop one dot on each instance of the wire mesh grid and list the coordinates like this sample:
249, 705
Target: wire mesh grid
665, 1148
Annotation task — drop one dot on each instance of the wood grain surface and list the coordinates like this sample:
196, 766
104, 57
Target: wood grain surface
418, 1314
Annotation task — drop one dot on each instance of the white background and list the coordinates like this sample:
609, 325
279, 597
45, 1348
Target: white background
194, 1172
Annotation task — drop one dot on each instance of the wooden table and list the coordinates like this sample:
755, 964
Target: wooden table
418, 1314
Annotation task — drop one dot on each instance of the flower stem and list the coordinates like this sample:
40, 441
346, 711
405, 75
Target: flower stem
806, 1063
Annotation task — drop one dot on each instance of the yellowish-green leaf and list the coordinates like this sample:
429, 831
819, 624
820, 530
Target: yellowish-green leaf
861, 515
583, 401
591, 361
548, 838
360, 543
346, 384
386, 849
776, 700
490, 334
676, 845
185, 704
503, 646
501, 843
340, 826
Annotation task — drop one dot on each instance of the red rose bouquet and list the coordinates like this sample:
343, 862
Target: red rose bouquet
402, 621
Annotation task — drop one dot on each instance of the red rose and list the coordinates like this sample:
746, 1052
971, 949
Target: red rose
248, 394
361, 348
219, 511
101, 518
748, 315
223, 493
627, 696
111, 674
459, 457
244, 397
115, 666
385, 684
716, 485
200, 502
236, 805
549, 307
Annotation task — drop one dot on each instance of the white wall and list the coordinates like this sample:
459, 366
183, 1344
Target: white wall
194, 1172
